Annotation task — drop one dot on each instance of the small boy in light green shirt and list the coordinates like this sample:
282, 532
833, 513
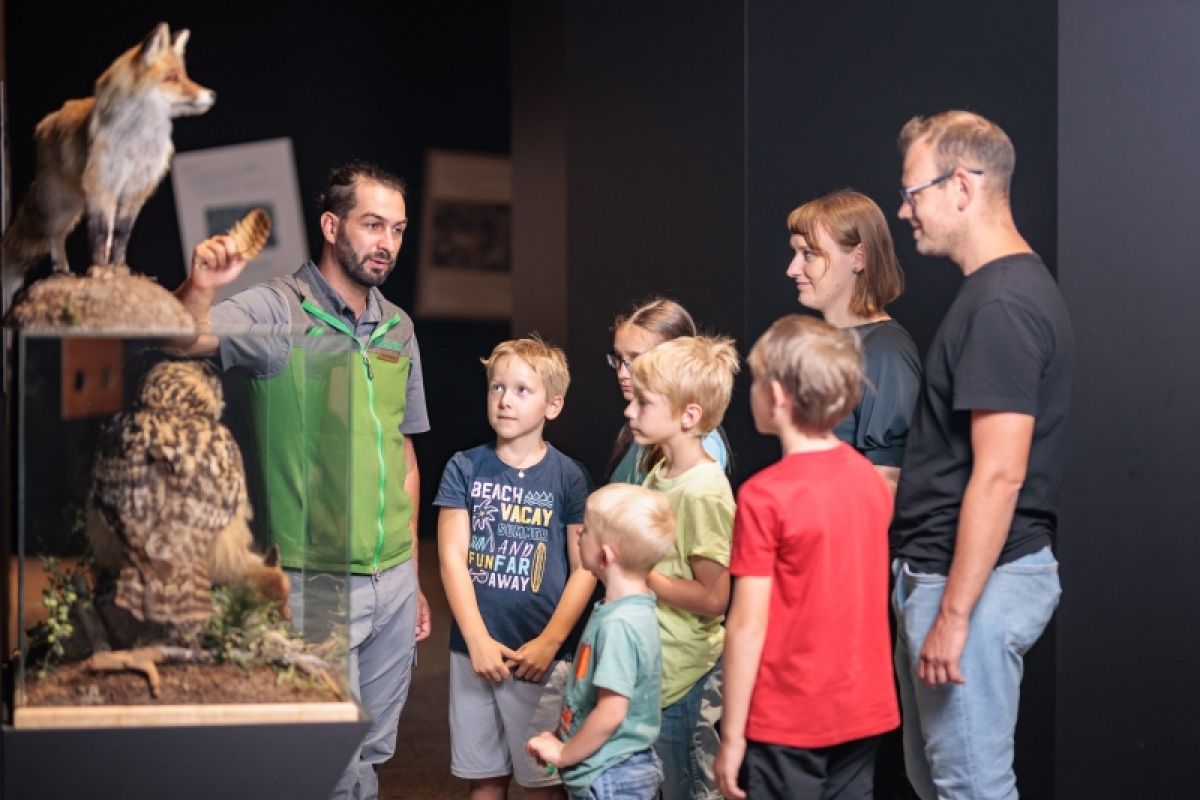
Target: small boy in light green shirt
681, 389
610, 716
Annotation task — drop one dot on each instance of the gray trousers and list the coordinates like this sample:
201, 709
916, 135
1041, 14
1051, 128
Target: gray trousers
382, 650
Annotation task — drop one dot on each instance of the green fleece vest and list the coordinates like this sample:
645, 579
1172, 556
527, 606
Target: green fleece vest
329, 443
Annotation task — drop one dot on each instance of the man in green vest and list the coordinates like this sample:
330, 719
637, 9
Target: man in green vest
335, 397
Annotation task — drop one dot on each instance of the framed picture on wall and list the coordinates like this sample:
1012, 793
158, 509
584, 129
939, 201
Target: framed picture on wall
465, 264
216, 187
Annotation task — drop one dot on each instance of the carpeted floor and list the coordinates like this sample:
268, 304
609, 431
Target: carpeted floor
420, 769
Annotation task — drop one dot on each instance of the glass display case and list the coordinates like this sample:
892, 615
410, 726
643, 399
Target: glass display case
182, 535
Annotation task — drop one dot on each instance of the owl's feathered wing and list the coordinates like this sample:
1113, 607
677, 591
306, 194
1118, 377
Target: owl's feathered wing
166, 485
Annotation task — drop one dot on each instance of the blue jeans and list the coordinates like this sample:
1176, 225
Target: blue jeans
635, 778
687, 742
958, 738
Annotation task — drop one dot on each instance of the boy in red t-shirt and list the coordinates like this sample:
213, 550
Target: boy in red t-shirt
808, 675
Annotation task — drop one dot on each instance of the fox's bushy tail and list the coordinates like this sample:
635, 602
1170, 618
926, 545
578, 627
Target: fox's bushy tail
23, 246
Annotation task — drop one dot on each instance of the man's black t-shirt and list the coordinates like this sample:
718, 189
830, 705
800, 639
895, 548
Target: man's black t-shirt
1005, 345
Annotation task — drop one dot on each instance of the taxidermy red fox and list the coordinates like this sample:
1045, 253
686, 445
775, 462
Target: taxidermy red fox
105, 154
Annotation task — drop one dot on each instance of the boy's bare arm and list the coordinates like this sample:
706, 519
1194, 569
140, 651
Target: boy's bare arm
597, 729
745, 632
488, 657
536, 655
705, 593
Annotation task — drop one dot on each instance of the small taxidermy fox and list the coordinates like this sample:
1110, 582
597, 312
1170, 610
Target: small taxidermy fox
105, 153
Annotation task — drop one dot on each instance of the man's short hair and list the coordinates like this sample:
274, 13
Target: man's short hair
690, 369
339, 196
850, 219
548, 361
965, 139
820, 367
636, 522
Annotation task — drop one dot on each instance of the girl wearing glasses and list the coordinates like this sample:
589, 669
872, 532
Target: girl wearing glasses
845, 267
648, 324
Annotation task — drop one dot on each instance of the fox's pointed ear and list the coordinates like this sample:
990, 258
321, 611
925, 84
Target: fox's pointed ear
155, 41
271, 559
179, 41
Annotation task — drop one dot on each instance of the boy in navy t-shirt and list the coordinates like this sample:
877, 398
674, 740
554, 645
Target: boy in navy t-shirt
508, 542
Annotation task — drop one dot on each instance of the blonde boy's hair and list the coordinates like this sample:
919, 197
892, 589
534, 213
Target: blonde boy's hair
548, 361
636, 522
690, 369
819, 366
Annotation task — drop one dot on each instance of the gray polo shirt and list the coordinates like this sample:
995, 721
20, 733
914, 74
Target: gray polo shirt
264, 310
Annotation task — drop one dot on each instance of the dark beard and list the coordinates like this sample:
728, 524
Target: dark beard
354, 266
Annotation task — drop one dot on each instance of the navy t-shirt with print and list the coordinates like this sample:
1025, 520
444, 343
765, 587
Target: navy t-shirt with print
517, 554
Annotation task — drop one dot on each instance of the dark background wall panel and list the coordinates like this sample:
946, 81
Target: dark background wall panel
1128, 160
539, 156
654, 185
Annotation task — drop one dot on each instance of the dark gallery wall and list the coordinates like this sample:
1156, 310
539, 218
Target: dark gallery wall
654, 179
1128, 648
383, 82
539, 153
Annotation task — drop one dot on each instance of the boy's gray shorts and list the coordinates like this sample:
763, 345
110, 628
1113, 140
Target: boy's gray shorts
491, 722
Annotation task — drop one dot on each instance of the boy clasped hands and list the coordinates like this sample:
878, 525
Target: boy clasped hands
508, 543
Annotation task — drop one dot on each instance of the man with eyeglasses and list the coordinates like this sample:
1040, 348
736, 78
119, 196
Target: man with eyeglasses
976, 508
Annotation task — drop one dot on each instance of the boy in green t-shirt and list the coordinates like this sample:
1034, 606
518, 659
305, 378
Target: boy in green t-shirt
681, 389
610, 715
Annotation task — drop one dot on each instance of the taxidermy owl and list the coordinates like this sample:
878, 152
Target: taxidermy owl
168, 507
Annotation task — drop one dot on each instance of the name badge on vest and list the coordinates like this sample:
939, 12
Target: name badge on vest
387, 355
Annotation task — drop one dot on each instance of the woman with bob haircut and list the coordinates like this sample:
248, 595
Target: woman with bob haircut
845, 268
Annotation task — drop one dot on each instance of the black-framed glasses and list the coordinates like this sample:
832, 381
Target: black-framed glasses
616, 361
908, 194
